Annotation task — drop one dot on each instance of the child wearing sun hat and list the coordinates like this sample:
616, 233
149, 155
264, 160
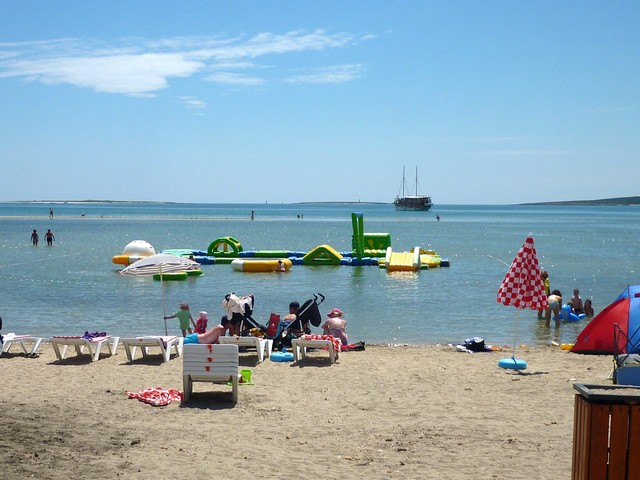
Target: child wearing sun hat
201, 323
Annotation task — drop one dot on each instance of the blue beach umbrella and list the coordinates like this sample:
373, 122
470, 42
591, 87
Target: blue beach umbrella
522, 288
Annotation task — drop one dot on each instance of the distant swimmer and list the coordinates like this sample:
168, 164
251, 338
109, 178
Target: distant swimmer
49, 237
437, 218
35, 238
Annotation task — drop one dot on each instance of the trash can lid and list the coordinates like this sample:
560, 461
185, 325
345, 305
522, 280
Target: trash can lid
626, 394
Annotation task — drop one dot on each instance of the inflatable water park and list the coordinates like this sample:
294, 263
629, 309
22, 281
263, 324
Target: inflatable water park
368, 249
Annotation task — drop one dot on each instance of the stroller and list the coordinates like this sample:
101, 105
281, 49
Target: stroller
307, 314
239, 310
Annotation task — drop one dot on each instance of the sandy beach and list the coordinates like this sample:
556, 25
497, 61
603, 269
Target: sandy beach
387, 412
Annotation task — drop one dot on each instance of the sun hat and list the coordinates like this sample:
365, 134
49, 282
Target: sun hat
203, 313
335, 312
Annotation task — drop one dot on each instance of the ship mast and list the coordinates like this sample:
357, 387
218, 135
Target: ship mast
403, 181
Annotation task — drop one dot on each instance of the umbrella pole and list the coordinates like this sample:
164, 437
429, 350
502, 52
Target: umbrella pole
515, 338
164, 307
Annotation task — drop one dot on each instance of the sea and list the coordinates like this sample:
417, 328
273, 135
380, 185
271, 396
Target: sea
73, 286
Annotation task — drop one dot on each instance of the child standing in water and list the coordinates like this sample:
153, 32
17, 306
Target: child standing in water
184, 315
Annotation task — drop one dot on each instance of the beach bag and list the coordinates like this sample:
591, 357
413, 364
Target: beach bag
475, 344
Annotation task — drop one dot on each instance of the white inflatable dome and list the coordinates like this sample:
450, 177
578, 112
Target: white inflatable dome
139, 248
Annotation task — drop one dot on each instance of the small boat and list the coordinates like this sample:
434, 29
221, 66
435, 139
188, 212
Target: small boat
412, 202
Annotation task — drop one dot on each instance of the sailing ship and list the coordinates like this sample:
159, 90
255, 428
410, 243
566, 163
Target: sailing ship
412, 202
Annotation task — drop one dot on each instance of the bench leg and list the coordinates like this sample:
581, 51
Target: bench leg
187, 385
234, 385
260, 349
36, 345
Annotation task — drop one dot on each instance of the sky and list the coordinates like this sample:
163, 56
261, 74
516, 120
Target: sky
492, 102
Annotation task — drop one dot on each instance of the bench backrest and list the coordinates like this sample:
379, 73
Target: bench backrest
210, 361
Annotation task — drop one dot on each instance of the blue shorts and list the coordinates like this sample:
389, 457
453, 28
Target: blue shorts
191, 338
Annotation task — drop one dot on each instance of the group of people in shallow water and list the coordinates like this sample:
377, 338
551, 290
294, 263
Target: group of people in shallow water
555, 303
334, 325
35, 238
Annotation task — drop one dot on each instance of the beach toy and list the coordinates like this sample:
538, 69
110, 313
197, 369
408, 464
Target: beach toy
567, 315
245, 376
512, 363
566, 346
283, 356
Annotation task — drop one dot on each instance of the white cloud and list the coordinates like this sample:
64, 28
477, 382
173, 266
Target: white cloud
193, 102
234, 79
334, 74
139, 67
130, 74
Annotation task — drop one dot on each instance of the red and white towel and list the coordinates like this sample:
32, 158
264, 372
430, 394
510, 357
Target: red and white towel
337, 344
158, 397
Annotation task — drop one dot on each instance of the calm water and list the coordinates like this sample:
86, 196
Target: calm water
73, 286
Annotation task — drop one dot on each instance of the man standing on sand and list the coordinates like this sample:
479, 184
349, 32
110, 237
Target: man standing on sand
49, 238
51, 213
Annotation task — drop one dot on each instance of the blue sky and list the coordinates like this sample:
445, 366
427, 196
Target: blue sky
494, 102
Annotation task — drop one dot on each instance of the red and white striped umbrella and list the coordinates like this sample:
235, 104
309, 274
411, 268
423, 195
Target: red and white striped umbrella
523, 286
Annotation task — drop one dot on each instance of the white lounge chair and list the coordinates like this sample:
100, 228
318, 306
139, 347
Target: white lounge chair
262, 345
301, 344
10, 338
80, 343
165, 344
210, 363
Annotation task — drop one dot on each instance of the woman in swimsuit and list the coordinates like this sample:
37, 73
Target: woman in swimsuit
336, 326
555, 300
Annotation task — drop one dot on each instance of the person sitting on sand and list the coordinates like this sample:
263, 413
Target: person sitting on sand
210, 336
576, 302
336, 326
555, 300
588, 308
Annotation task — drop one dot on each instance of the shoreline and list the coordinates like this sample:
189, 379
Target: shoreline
386, 412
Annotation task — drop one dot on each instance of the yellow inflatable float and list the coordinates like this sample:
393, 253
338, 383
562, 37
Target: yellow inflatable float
261, 265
